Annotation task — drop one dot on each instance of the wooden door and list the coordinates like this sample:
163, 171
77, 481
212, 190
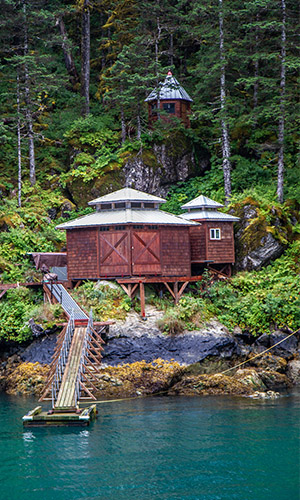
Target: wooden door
114, 253
146, 252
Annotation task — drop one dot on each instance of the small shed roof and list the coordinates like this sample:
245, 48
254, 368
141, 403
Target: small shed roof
126, 216
169, 89
201, 202
127, 194
210, 215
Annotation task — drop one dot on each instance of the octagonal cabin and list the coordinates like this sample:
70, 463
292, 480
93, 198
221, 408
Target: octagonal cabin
212, 241
171, 98
128, 235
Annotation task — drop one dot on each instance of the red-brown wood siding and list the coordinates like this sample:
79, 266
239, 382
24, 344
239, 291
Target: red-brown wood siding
82, 253
114, 253
198, 243
175, 251
221, 251
205, 249
146, 258
94, 254
182, 109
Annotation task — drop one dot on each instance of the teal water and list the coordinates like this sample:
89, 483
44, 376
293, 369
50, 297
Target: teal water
156, 448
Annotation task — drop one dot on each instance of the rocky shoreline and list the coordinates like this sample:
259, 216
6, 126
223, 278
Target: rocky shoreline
139, 360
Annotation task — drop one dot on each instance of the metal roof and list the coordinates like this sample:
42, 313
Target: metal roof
127, 194
169, 89
125, 216
202, 202
211, 215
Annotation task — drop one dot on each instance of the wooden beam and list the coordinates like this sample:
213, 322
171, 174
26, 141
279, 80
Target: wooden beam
170, 289
89, 381
87, 391
91, 373
89, 363
183, 287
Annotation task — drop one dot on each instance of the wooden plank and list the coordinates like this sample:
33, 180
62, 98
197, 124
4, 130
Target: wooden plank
159, 279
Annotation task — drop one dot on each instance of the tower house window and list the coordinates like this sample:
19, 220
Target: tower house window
215, 234
169, 107
136, 204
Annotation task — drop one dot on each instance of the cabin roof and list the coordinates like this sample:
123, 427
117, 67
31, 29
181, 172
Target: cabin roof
210, 215
127, 194
126, 216
169, 89
202, 202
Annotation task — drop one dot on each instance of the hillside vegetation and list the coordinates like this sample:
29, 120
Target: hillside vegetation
74, 76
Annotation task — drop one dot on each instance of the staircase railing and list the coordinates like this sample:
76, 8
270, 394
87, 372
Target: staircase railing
83, 357
62, 359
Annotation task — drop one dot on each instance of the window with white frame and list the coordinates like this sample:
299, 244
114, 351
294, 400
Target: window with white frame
215, 233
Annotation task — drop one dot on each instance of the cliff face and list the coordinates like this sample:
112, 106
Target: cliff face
154, 168
165, 164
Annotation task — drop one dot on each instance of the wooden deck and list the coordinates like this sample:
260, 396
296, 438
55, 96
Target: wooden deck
66, 395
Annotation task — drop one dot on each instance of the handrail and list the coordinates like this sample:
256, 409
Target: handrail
62, 359
82, 364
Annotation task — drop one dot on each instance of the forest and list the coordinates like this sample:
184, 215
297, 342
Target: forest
74, 79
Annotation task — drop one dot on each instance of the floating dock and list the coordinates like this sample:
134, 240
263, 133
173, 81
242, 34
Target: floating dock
75, 417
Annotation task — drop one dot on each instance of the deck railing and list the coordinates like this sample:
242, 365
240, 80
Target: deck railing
62, 359
83, 357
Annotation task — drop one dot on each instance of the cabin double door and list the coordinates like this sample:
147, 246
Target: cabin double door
129, 253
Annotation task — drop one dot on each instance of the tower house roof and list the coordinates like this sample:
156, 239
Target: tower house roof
169, 89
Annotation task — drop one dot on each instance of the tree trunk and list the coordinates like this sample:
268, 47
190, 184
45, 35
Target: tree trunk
281, 124
85, 57
30, 133
69, 61
171, 50
256, 68
139, 125
123, 125
224, 126
157, 39
19, 144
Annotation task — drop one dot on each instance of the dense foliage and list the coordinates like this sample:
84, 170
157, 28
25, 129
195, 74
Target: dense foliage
72, 117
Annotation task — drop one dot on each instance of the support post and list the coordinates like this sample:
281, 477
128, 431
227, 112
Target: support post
176, 292
142, 297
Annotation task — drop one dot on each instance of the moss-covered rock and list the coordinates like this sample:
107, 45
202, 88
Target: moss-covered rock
203, 385
138, 378
27, 379
264, 231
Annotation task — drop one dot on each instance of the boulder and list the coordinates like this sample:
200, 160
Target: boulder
40, 350
274, 380
293, 371
255, 237
142, 341
288, 348
250, 378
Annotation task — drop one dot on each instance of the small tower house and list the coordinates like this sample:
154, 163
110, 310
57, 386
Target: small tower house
212, 241
169, 97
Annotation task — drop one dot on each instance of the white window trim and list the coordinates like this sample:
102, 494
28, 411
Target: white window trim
212, 233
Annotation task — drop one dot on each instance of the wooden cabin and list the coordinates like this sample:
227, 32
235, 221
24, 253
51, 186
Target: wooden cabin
128, 235
169, 97
212, 240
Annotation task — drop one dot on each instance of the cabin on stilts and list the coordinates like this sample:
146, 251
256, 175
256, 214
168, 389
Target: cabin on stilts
128, 238
171, 98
